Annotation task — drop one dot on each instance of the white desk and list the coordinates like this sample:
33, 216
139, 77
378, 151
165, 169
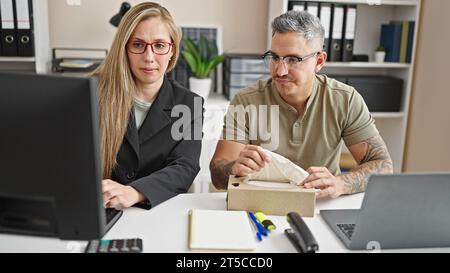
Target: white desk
165, 228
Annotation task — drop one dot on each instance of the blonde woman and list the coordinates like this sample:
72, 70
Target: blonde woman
143, 163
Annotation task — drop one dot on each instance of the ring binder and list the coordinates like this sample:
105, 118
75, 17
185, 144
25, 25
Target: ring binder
1, 32
325, 19
313, 8
8, 37
297, 5
25, 46
336, 32
349, 37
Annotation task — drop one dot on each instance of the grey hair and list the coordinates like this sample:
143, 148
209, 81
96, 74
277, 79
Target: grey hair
301, 22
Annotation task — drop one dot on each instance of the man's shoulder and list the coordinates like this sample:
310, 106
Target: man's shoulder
335, 90
253, 94
334, 85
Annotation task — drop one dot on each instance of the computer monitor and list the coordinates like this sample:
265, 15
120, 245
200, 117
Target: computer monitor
50, 182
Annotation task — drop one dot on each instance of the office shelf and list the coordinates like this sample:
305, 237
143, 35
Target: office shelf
40, 62
375, 2
241, 70
18, 59
367, 65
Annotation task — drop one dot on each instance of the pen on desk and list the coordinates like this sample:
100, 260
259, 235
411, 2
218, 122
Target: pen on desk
258, 235
262, 218
258, 225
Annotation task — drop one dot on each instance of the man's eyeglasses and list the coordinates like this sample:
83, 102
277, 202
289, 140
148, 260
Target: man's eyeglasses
290, 61
139, 47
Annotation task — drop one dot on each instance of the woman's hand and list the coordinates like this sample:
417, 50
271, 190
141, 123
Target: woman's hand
118, 196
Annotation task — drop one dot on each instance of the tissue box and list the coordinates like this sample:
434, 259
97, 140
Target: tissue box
269, 200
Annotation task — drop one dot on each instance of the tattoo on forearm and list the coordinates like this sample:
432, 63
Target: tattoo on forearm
376, 161
220, 173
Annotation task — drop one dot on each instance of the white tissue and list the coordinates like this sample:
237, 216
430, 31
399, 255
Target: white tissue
280, 169
272, 185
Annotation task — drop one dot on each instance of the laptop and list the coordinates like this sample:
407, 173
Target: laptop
398, 211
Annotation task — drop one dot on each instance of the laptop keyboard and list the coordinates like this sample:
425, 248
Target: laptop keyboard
347, 229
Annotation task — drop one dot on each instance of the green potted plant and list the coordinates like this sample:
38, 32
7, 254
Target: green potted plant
380, 54
202, 57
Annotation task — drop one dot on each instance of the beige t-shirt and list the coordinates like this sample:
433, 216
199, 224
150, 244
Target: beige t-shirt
334, 112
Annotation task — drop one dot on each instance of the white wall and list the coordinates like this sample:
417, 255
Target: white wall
243, 22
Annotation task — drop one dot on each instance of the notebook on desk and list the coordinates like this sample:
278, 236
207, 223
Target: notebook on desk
221, 230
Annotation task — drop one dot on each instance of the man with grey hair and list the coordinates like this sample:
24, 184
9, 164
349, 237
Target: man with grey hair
315, 114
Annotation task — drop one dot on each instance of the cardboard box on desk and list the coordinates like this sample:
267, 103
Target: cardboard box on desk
270, 200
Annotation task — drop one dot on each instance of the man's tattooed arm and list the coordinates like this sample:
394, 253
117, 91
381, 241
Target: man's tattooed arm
376, 160
220, 172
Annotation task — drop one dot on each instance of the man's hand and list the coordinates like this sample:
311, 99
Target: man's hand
118, 196
321, 178
251, 159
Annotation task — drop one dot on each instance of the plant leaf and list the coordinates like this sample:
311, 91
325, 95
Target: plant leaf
214, 62
192, 48
201, 56
190, 59
213, 49
203, 71
203, 46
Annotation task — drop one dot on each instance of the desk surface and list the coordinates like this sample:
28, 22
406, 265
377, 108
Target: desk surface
165, 228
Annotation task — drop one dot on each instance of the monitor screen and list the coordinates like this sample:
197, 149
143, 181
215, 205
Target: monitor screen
49, 157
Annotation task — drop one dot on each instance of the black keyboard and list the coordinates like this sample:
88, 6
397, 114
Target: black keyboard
115, 246
347, 229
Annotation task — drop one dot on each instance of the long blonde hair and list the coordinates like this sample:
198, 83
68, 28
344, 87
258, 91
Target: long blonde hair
116, 85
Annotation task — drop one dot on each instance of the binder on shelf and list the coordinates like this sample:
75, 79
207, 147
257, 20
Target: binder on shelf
313, 8
349, 33
24, 23
403, 39
1, 35
390, 39
8, 35
337, 19
410, 41
325, 19
297, 5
